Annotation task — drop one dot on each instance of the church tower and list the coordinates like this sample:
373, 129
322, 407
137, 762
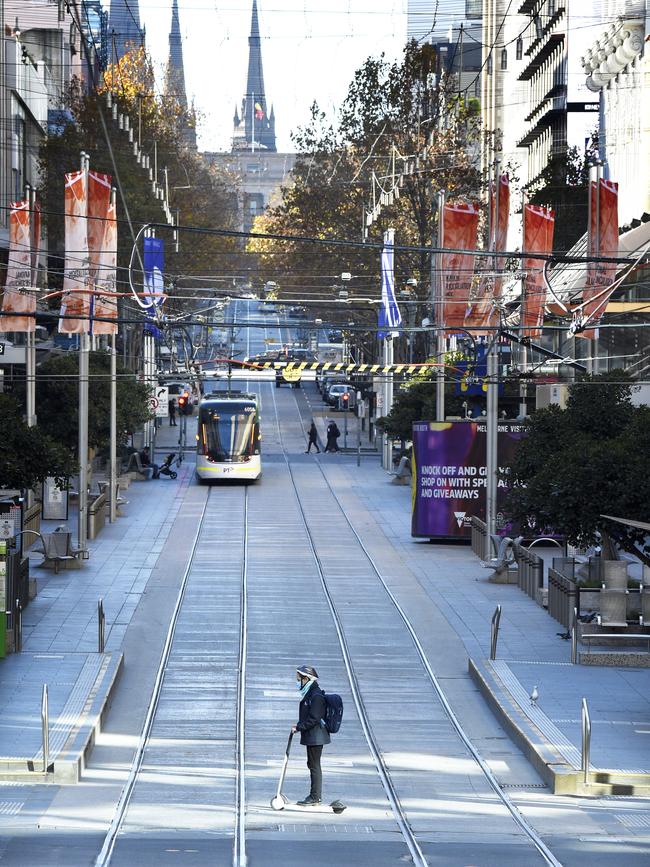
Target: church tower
254, 125
175, 78
124, 31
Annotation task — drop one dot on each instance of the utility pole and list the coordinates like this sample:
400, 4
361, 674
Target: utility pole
437, 303
112, 480
389, 241
523, 349
84, 354
493, 390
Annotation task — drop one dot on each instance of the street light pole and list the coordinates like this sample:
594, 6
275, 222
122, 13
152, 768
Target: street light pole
112, 515
493, 392
84, 352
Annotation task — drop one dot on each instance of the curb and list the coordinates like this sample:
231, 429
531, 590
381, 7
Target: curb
69, 763
561, 777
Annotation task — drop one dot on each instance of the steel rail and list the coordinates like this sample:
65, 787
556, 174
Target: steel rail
110, 839
417, 855
525, 826
239, 857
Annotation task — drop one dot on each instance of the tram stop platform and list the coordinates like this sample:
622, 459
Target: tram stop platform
79, 689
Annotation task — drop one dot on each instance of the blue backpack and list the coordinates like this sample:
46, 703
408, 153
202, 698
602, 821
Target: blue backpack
333, 712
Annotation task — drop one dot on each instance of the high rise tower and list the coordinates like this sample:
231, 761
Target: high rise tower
175, 79
255, 126
124, 31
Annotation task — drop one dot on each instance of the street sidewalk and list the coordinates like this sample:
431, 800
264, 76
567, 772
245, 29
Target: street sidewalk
530, 651
60, 629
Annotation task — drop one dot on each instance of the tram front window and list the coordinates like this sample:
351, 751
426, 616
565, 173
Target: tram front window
228, 434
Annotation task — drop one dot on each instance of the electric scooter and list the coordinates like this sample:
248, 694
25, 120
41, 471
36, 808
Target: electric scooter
280, 801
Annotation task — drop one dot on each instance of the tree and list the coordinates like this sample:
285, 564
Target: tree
394, 115
588, 460
204, 196
57, 400
27, 454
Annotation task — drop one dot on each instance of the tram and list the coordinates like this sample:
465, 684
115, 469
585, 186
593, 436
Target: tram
228, 437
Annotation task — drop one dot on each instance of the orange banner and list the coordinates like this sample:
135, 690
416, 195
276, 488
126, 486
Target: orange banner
106, 305
460, 228
99, 205
482, 311
539, 223
75, 303
603, 241
19, 296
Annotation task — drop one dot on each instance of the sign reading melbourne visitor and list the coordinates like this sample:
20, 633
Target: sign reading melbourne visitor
450, 476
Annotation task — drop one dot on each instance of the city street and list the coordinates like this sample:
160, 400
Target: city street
232, 586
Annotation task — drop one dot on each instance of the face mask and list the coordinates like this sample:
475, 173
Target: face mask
298, 684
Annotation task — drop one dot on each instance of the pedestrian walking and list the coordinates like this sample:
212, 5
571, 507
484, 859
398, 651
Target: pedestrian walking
313, 438
313, 731
330, 444
172, 412
336, 433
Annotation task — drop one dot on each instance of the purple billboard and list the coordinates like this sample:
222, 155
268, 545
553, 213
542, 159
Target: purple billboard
449, 476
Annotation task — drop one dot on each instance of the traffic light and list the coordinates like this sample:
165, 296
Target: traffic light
184, 406
344, 400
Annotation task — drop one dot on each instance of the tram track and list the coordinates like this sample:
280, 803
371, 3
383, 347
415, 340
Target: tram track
399, 813
187, 667
522, 823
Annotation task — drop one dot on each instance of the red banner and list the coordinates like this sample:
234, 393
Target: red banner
603, 241
460, 227
482, 311
106, 305
19, 296
75, 302
538, 238
87, 201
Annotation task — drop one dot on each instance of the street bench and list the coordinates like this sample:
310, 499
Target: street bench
135, 465
58, 548
103, 487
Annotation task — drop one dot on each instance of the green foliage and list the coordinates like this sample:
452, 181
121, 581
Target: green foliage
390, 111
585, 461
57, 400
27, 454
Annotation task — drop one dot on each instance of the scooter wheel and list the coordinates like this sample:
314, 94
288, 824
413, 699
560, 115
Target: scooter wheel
278, 802
173, 475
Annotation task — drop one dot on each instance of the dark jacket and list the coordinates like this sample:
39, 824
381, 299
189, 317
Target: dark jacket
313, 434
312, 710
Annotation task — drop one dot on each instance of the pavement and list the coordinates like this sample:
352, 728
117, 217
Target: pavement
60, 633
530, 651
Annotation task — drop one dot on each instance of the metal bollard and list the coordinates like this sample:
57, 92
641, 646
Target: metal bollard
101, 626
586, 740
45, 726
18, 626
494, 632
574, 637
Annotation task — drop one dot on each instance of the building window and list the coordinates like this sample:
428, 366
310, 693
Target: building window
489, 64
537, 21
551, 8
520, 48
504, 58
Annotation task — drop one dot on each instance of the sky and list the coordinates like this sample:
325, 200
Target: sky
310, 50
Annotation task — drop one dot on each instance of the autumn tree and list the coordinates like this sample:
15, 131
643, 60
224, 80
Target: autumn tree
399, 132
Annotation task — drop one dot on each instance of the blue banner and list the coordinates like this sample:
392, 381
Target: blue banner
154, 264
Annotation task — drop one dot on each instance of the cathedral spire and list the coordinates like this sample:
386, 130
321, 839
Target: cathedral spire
124, 31
175, 84
258, 128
